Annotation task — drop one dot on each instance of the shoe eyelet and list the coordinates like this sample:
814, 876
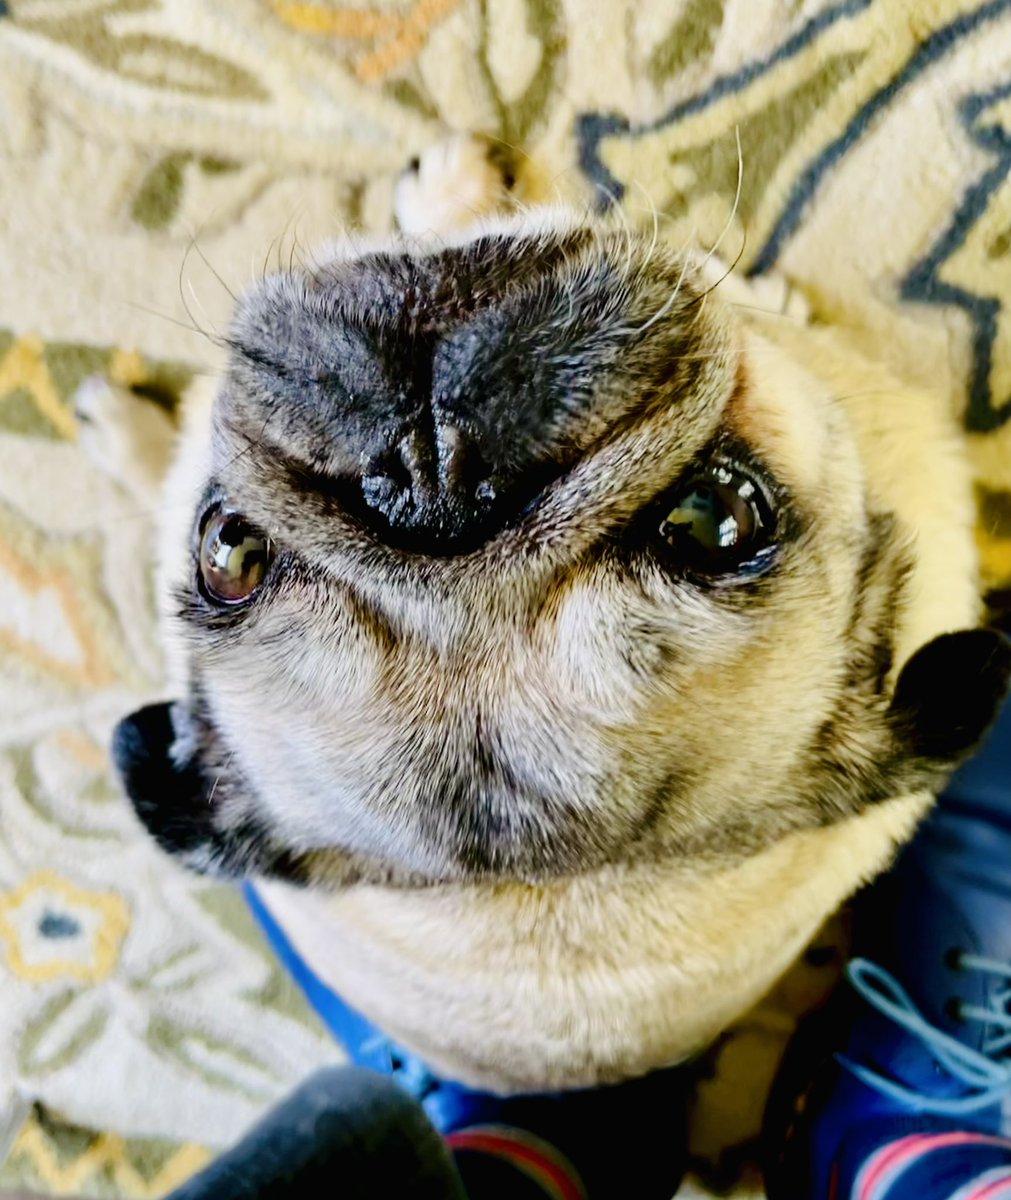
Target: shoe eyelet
821, 956
953, 1010
953, 959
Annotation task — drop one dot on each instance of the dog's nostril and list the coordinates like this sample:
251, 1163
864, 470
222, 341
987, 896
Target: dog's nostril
452, 451
386, 482
432, 479
380, 490
466, 472
463, 473
418, 458
446, 468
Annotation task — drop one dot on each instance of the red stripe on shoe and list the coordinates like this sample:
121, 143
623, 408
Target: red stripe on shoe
994, 1185
538, 1160
883, 1168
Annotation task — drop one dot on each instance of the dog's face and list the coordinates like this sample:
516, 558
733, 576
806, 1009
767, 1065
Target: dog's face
514, 558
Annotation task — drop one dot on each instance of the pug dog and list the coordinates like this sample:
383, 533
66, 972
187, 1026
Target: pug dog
556, 639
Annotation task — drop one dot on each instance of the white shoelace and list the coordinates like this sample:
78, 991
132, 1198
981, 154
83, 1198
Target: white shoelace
986, 1073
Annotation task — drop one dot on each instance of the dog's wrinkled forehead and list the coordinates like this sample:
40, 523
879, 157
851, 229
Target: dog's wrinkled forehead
440, 390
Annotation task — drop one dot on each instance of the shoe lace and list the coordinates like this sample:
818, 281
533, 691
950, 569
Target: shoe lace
986, 1073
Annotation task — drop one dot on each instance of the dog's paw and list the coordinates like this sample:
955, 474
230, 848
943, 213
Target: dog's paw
453, 184
774, 293
126, 436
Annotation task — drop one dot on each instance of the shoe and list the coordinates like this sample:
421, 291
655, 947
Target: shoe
607, 1143
917, 1051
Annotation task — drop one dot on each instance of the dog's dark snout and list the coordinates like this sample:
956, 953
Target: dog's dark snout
441, 393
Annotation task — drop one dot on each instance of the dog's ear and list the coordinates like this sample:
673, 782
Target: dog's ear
167, 790
948, 694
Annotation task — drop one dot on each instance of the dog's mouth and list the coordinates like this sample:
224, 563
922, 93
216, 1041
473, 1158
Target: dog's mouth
946, 697
191, 813
168, 762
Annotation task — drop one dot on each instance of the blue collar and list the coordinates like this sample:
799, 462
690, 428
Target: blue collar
610, 1134
448, 1105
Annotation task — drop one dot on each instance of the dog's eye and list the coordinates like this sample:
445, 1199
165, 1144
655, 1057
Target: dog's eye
234, 558
719, 522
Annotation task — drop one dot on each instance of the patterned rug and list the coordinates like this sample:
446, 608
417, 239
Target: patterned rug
160, 154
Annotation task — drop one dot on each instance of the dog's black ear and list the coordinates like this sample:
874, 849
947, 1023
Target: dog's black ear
948, 694
167, 790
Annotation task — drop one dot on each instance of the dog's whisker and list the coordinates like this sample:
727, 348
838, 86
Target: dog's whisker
197, 301
730, 268
797, 318
737, 200
210, 266
656, 224
190, 325
665, 309
217, 338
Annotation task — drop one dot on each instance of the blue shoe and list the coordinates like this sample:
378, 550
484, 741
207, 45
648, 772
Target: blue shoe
919, 1046
602, 1144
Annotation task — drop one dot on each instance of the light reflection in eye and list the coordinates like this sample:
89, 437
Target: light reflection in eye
234, 558
717, 521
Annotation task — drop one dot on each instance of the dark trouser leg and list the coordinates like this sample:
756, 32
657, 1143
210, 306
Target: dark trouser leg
346, 1133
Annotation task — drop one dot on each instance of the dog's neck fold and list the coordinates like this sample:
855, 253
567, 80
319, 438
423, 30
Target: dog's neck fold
589, 980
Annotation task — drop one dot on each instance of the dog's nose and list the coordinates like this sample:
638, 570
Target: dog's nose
439, 395
432, 481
